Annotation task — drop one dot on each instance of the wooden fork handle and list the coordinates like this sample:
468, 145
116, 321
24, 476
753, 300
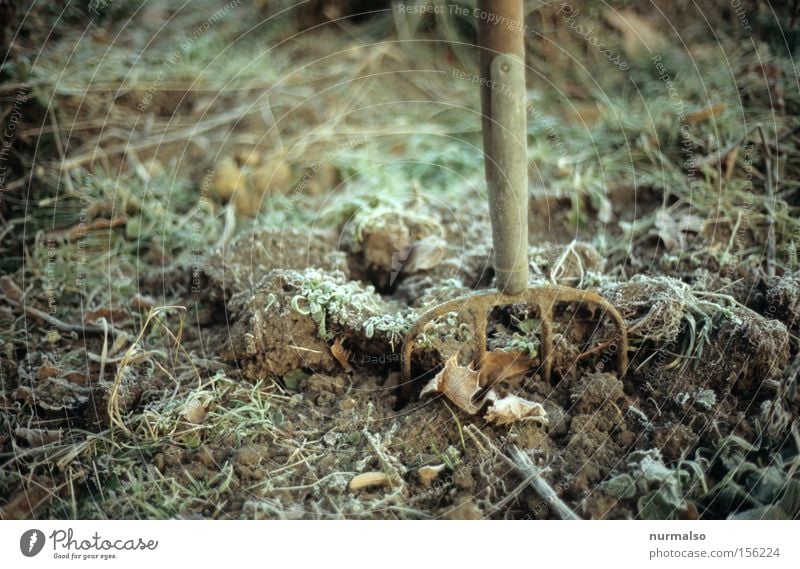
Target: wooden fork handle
503, 107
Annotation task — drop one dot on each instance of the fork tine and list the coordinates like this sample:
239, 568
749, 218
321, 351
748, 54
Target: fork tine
622, 332
478, 305
480, 318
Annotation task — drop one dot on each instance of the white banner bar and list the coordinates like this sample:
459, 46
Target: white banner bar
410, 545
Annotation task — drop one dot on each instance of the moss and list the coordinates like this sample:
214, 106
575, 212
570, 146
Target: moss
393, 325
330, 300
660, 492
449, 326
334, 303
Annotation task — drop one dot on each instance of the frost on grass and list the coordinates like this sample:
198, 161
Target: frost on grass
745, 350
330, 301
575, 264
783, 299
238, 265
660, 492
710, 332
653, 307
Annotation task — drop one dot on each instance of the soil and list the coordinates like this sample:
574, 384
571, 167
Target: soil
279, 304
596, 419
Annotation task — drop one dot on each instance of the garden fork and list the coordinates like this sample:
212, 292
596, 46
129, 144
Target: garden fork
503, 109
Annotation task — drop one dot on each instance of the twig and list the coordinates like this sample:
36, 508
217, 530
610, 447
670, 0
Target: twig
60, 148
164, 138
719, 154
770, 204
59, 324
734, 233
469, 430
532, 474
458, 424
512, 495
596, 349
24, 86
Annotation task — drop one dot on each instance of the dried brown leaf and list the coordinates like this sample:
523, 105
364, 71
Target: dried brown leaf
10, 289
705, 114
459, 384
29, 498
672, 232
195, 412
511, 409
38, 437
500, 365
273, 175
427, 474
341, 354
228, 178
47, 370
729, 162
426, 254
111, 315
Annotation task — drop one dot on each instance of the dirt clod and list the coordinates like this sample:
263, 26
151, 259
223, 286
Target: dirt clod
783, 300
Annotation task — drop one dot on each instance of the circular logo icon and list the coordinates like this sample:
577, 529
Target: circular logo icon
31, 542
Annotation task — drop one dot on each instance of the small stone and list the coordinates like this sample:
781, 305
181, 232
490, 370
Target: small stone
427, 474
370, 480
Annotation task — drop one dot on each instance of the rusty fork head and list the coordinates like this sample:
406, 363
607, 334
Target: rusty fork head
478, 305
